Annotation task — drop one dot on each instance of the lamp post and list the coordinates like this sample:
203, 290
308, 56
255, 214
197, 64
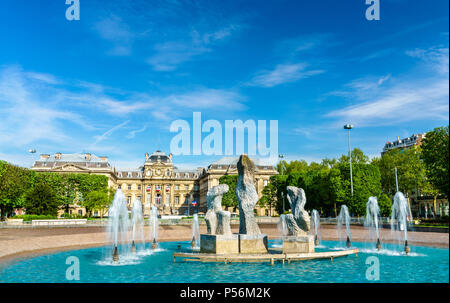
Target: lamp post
281, 156
349, 127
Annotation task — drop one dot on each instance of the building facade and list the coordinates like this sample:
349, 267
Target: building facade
413, 140
158, 182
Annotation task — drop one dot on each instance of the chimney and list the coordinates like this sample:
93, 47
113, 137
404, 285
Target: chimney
88, 157
146, 156
58, 156
170, 156
104, 158
45, 156
398, 139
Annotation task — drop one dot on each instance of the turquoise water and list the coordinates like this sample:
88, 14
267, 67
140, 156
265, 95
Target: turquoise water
424, 264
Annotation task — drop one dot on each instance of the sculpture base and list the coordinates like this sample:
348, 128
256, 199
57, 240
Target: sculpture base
253, 244
298, 244
219, 244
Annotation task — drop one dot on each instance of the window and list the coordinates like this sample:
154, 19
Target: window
129, 200
129, 175
177, 187
149, 173
119, 187
186, 187
177, 175
167, 199
186, 200
129, 186
177, 200
95, 213
186, 175
139, 187
80, 212
265, 182
139, 198
167, 172
219, 166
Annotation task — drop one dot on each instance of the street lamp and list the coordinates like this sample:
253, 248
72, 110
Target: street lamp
281, 156
349, 127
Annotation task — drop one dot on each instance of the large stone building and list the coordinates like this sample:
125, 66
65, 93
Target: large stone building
158, 182
413, 140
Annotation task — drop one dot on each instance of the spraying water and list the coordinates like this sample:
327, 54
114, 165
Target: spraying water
138, 225
344, 218
399, 218
371, 222
154, 225
282, 231
315, 225
195, 232
118, 225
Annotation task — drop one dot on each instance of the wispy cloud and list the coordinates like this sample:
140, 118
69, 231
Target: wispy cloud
437, 58
116, 31
402, 103
29, 110
169, 55
108, 133
283, 73
133, 133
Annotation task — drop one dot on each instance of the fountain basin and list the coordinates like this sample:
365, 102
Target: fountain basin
219, 244
272, 257
298, 244
253, 244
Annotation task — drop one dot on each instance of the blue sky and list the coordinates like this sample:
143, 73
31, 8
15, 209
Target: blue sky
113, 82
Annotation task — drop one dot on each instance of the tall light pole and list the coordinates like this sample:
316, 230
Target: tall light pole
349, 127
281, 156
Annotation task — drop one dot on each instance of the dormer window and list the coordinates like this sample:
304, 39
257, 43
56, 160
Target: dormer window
120, 175
130, 175
186, 175
177, 175
149, 173
219, 166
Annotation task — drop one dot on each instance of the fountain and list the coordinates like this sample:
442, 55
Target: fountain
344, 218
371, 222
118, 224
282, 229
220, 244
154, 225
138, 224
195, 233
399, 218
315, 225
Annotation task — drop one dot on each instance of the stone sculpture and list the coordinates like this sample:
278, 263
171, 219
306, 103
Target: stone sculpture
297, 223
247, 197
217, 220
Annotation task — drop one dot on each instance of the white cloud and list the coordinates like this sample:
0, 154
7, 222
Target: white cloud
283, 73
405, 102
169, 55
29, 112
436, 58
108, 133
114, 30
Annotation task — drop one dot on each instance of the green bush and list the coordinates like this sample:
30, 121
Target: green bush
35, 217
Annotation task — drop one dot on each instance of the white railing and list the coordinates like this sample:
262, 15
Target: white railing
58, 222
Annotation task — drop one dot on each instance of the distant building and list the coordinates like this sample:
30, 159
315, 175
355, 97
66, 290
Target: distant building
414, 140
158, 182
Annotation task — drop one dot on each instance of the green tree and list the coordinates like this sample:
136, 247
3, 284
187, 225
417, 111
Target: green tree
14, 183
229, 199
269, 197
97, 200
435, 154
41, 200
358, 157
385, 205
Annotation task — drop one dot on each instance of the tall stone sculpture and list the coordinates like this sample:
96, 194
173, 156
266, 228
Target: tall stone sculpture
298, 224
217, 220
219, 239
247, 197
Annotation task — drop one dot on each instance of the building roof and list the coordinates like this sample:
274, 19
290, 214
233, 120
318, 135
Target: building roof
74, 158
159, 156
